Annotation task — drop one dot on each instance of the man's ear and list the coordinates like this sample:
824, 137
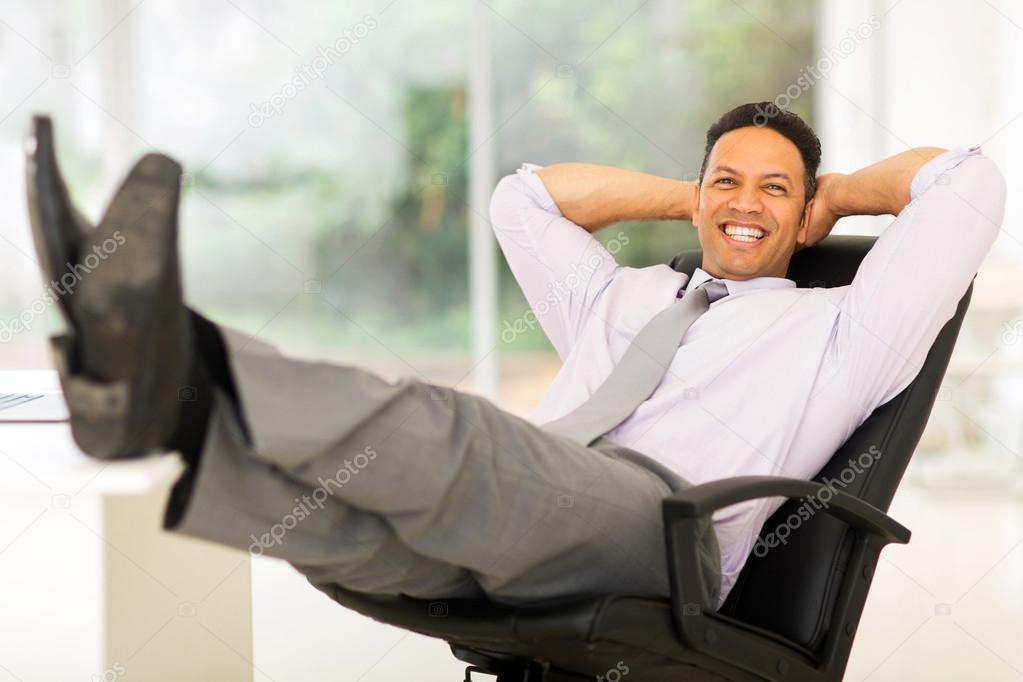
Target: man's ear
804, 223
696, 205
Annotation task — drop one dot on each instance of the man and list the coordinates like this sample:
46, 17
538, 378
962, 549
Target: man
773, 379
417, 489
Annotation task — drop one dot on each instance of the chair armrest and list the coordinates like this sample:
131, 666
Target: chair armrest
704, 500
698, 622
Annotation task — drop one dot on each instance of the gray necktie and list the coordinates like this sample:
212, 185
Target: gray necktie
640, 370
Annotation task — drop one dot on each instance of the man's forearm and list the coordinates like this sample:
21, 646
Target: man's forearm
881, 188
594, 196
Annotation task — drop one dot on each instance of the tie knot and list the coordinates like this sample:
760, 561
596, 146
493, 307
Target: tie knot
716, 289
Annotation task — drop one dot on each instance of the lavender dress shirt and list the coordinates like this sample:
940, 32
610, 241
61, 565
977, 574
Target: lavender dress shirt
774, 378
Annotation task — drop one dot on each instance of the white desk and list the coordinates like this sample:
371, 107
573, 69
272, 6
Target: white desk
91, 587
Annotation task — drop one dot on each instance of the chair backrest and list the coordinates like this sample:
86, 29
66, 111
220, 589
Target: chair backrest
792, 589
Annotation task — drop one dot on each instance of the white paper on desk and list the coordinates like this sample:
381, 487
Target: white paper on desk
48, 407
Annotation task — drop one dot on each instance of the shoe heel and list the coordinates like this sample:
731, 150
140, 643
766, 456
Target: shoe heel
98, 410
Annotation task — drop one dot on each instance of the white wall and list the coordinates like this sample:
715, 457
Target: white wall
944, 73
936, 73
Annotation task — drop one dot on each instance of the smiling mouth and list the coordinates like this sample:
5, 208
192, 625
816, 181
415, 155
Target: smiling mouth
742, 241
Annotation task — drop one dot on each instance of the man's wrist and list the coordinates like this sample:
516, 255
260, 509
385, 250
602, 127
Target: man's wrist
679, 204
837, 195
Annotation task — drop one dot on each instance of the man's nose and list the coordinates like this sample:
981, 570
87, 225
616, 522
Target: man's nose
746, 200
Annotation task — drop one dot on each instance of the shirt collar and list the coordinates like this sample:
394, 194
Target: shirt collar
735, 286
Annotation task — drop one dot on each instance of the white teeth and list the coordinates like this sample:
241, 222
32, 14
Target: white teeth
737, 231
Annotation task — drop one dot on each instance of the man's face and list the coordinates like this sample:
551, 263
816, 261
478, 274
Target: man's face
740, 186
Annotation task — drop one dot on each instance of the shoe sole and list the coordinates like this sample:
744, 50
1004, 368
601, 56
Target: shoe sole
57, 229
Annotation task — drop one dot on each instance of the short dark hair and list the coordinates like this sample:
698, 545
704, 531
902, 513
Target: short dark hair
768, 114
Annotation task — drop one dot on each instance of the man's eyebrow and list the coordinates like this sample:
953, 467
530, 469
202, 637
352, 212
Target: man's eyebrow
766, 175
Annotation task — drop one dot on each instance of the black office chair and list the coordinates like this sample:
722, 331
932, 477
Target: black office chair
793, 612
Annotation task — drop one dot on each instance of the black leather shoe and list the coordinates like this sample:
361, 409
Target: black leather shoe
126, 358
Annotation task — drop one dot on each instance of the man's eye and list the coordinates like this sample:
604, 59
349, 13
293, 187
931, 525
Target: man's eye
771, 185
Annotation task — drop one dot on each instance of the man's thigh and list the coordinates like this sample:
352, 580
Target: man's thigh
459, 481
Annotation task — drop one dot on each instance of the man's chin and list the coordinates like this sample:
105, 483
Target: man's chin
741, 265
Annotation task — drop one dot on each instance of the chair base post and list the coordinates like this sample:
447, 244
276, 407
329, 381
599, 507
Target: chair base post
533, 672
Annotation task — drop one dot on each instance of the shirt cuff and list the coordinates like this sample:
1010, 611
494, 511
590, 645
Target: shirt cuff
527, 172
931, 172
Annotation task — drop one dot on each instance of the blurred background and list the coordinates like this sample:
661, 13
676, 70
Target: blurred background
340, 158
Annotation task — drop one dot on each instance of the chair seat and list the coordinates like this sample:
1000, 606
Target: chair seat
636, 633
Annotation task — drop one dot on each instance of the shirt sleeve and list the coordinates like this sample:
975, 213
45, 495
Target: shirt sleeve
561, 268
911, 281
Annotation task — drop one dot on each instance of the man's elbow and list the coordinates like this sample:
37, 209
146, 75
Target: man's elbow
982, 183
505, 196
994, 179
